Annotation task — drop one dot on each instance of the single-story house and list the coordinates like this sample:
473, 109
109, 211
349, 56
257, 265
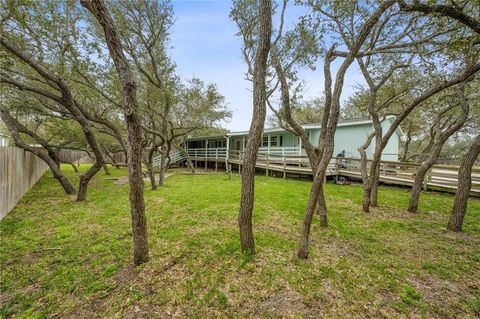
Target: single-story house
349, 136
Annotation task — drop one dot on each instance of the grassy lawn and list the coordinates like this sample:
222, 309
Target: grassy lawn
60, 258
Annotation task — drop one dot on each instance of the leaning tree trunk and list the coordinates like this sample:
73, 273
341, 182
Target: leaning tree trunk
150, 169
105, 168
459, 209
374, 178
364, 171
322, 208
438, 142
151, 176
134, 128
72, 164
256, 128
57, 173
67, 100
407, 145
51, 162
313, 201
420, 174
327, 140
163, 165
164, 150
187, 157
367, 191
85, 179
375, 184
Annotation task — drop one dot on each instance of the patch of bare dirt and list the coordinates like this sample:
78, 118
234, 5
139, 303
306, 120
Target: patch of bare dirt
444, 293
126, 275
461, 235
286, 303
123, 180
29, 259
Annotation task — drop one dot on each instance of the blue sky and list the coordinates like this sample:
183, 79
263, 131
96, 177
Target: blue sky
205, 46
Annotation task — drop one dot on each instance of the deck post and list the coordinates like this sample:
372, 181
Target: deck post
336, 169
268, 144
216, 165
266, 164
227, 154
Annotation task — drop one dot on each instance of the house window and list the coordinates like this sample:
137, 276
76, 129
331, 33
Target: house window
274, 141
265, 141
196, 144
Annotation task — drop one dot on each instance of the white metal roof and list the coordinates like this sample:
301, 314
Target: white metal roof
305, 126
318, 125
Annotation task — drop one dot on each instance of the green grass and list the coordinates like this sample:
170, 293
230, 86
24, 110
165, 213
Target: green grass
60, 258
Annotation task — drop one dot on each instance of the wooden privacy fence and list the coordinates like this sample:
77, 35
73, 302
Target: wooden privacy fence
19, 171
74, 156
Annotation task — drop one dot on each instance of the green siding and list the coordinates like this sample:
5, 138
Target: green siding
348, 138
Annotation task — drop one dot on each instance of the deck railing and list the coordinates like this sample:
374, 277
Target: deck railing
175, 157
278, 156
208, 153
221, 153
401, 173
291, 160
281, 151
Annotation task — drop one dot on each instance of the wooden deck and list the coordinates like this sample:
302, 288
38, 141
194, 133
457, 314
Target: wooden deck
440, 177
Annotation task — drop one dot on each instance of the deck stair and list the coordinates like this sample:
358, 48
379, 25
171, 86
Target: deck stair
175, 157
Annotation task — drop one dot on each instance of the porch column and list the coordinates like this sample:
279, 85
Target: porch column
206, 150
268, 145
300, 146
227, 153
